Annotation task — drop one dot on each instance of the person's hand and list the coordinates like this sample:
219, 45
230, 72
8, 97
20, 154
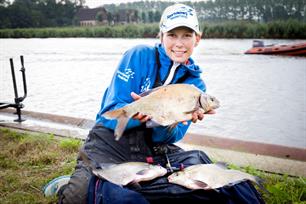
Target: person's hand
139, 116
199, 115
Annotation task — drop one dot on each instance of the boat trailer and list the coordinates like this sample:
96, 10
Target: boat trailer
17, 105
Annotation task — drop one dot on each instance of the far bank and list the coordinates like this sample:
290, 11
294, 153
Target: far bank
290, 29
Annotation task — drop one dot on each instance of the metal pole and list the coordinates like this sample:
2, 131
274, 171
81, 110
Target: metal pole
24, 79
14, 79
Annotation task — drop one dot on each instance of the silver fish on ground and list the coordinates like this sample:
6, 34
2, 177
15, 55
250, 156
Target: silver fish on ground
126, 173
210, 176
166, 105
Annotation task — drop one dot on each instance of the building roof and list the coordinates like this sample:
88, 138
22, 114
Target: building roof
89, 14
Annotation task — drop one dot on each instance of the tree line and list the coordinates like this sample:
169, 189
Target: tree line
218, 10
38, 13
59, 13
256, 10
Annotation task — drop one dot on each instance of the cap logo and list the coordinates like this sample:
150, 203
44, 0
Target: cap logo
183, 13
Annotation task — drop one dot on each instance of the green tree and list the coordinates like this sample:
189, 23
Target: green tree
144, 17
38, 13
157, 15
150, 17
110, 18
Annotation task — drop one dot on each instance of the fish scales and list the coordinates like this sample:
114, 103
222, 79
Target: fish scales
166, 105
125, 173
163, 107
130, 172
210, 176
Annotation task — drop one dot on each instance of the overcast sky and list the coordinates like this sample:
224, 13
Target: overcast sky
97, 3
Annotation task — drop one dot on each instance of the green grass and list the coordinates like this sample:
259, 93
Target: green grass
285, 189
29, 160
282, 189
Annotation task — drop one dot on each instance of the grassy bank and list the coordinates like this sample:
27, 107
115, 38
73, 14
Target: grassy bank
28, 161
290, 29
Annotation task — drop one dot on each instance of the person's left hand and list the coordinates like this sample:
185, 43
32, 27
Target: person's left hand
139, 116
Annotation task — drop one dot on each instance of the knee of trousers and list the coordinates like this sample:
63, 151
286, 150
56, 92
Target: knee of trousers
76, 190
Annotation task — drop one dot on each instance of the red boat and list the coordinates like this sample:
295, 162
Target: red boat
294, 49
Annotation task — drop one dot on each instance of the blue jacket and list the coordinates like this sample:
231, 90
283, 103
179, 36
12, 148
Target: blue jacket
136, 72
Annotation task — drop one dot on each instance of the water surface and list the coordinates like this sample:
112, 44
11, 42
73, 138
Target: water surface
262, 97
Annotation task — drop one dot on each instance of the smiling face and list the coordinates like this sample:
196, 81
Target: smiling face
179, 43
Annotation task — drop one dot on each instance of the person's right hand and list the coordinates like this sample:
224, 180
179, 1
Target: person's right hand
199, 115
139, 116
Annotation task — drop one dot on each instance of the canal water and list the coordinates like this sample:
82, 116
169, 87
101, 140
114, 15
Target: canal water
263, 98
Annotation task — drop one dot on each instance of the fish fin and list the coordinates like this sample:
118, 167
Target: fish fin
121, 125
193, 110
106, 165
152, 123
150, 91
222, 165
196, 184
134, 185
190, 112
145, 93
142, 172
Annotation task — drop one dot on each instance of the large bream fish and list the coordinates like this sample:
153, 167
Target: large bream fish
125, 173
130, 172
166, 105
210, 176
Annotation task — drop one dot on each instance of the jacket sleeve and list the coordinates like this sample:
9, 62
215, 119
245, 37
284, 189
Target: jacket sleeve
169, 135
123, 83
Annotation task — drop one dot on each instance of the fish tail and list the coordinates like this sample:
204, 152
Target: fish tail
122, 119
120, 127
259, 181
